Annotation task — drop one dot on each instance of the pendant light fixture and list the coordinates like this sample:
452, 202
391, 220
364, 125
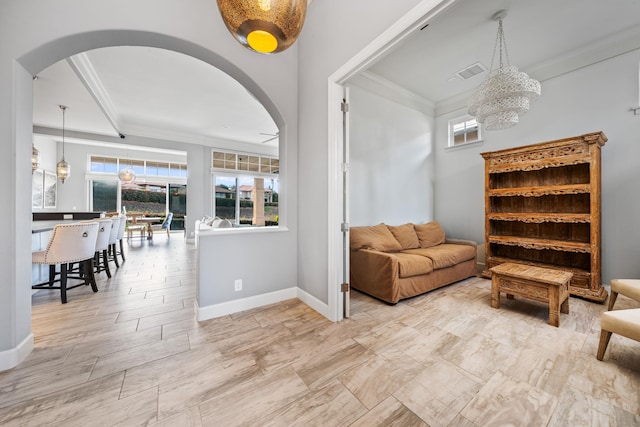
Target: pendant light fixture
35, 158
127, 174
63, 169
265, 26
506, 93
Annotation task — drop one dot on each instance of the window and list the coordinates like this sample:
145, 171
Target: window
111, 165
464, 130
104, 196
238, 178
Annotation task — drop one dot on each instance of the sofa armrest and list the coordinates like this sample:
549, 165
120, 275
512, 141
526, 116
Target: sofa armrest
375, 273
461, 242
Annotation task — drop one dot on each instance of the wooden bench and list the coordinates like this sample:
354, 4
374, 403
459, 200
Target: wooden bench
539, 284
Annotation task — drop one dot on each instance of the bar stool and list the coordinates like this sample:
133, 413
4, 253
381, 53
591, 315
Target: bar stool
69, 243
121, 230
113, 239
102, 245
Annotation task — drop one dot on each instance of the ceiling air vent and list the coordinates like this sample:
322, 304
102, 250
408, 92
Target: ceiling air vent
471, 71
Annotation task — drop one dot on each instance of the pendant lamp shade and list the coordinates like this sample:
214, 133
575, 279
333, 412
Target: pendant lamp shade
507, 93
265, 26
126, 175
35, 158
63, 169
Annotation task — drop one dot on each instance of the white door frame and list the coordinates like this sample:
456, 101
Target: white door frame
412, 21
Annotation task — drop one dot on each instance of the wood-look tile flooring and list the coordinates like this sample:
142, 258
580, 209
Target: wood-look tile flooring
133, 354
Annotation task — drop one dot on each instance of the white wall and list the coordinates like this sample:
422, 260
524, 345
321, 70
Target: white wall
390, 161
595, 98
334, 32
30, 43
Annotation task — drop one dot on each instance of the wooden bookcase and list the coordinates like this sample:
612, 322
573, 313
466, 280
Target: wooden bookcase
542, 208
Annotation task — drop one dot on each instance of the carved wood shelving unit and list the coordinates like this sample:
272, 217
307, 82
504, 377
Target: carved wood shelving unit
542, 208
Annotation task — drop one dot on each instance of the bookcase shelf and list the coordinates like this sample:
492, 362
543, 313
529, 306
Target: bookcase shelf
542, 208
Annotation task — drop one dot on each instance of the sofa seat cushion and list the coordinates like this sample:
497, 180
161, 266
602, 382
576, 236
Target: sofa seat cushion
445, 255
376, 237
413, 265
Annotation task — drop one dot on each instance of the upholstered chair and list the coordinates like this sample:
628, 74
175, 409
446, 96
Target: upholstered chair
70, 243
113, 239
621, 322
627, 287
121, 230
102, 246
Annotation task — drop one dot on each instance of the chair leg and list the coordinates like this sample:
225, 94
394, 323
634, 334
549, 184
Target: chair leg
52, 274
105, 261
122, 251
112, 248
605, 336
63, 283
612, 299
90, 277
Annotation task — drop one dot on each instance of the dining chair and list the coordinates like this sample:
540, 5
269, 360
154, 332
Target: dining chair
166, 225
113, 239
70, 243
121, 230
102, 246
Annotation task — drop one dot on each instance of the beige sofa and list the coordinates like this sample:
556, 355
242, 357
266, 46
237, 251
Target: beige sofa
396, 262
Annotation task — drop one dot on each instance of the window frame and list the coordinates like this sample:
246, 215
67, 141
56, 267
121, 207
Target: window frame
451, 144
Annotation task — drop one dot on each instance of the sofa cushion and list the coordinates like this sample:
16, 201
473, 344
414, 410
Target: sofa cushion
405, 235
429, 234
413, 265
445, 255
377, 237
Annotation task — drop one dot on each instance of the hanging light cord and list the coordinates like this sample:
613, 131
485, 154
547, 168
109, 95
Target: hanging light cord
500, 45
64, 109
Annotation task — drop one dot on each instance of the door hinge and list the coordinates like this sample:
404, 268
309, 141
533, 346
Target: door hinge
344, 107
344, 227
345, 287
344, 167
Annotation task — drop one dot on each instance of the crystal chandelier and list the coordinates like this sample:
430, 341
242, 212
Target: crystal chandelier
63, 169
265, 26
506, 93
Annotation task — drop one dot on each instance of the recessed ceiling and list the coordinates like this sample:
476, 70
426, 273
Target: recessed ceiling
153, 93
544, 38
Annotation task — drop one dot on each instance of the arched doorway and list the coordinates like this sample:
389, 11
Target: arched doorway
16, 339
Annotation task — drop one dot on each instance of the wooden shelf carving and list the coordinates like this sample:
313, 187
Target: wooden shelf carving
555, 190
538, 218
538, 244
542, 208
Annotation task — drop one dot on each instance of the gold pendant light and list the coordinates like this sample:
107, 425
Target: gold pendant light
265, 26
63, 169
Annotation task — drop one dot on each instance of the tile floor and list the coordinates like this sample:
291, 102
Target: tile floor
133, 354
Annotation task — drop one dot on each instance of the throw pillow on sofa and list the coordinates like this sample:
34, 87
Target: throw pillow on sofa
377, 237
430, 234
405, 235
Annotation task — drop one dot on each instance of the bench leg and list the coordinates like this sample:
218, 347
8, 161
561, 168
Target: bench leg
554, 306
495, 292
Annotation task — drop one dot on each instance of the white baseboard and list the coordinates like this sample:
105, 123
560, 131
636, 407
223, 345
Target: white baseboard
235, 306
313, 302
11, 358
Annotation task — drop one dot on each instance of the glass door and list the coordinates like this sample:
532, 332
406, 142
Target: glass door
178, 205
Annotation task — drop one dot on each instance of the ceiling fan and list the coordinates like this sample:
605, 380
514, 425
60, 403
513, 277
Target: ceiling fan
272, 135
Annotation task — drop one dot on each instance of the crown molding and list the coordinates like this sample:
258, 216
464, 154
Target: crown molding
377, 84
